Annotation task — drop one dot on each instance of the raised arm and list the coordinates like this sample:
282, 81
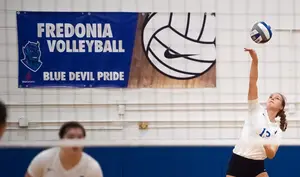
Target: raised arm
252, 92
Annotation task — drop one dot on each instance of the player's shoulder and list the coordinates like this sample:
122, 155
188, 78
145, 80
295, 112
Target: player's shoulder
255, 106
94, 166
43, 158
48, 153
91, 161
254, 102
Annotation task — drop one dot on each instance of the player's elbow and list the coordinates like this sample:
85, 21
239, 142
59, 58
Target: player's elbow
270, 151
271, 155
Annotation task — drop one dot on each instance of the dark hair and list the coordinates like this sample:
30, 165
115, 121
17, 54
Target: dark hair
3, 114
68, 125
281, 114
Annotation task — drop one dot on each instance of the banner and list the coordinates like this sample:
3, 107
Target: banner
116, 49
75, 49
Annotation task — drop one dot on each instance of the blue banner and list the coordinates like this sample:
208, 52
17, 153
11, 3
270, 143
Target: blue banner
74, 49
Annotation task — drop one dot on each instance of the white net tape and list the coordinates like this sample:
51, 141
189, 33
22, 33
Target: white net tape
124, 143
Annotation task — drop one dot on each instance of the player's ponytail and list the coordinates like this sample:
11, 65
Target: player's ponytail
281, 114
283, 122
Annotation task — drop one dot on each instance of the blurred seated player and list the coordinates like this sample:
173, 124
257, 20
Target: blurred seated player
65, 161
3, 117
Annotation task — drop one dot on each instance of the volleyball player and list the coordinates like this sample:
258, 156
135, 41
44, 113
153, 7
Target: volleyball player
3, 117
65, 161
247, 159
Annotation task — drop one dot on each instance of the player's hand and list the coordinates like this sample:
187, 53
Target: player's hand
252, 53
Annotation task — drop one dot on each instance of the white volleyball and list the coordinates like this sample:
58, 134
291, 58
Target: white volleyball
261, 32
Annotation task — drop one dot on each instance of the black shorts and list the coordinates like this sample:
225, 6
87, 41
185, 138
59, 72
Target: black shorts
242, 167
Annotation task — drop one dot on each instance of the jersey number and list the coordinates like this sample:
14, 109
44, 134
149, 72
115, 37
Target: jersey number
265, 132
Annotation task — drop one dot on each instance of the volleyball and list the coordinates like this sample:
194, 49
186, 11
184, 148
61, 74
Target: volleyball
261, 32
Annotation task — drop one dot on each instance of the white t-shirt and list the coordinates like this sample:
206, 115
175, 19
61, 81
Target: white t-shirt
257, 123
48, 164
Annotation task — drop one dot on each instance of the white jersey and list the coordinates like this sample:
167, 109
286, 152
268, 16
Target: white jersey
47, 164
256, 126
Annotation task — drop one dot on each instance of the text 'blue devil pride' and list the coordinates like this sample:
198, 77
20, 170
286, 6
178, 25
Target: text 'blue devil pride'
32, 55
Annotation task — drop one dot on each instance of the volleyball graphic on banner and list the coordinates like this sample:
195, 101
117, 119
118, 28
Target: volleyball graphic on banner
180, 45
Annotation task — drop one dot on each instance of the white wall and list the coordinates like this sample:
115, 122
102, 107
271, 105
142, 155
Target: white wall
184, 114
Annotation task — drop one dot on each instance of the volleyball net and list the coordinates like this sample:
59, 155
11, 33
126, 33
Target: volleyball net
210, 115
